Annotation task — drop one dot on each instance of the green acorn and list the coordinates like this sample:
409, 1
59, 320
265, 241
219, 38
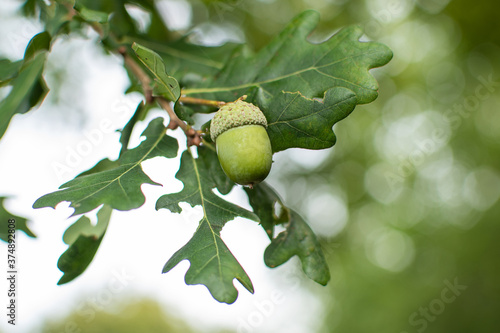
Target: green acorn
243, 145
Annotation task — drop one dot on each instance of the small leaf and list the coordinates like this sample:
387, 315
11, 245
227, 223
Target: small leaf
166, 86
90, 15
24, 85
298, 239
39, 43
28, 87
211, 262
307, 123
264, 201
119, 187
184, 113
21, 222
83, 239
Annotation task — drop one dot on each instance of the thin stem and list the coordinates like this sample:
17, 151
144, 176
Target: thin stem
139, 73
200, 101
171, 113
193, 137
208, 144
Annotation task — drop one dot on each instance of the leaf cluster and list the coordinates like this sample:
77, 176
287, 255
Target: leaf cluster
302, 88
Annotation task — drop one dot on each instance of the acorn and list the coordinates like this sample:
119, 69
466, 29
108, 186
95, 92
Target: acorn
242, 143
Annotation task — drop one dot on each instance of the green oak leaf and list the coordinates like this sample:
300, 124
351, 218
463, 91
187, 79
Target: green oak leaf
298, 239
119, 187
295, 128
211, 262
291, 63
103, 165
21, 222
39, 43
28, 87
268, 206
302, 88
165, 85
83, 239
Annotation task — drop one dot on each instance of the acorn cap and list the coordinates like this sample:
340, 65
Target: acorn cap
236, 114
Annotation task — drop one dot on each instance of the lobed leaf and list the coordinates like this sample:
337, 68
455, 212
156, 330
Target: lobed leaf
191, 63
293, 127
83, 239
119, 187
211, 262
21, 222
268, 206
287, 76
291, 63
28, 86
298, 239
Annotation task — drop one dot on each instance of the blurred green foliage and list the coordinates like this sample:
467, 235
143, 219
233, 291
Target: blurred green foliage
417, 172
126, 316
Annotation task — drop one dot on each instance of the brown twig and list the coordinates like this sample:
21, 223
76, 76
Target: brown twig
193, 137
173, 117
139, 73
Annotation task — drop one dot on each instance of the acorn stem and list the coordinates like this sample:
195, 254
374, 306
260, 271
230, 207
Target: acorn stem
200, 101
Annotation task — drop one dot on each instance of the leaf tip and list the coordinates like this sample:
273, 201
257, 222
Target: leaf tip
63, 280
40, 203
